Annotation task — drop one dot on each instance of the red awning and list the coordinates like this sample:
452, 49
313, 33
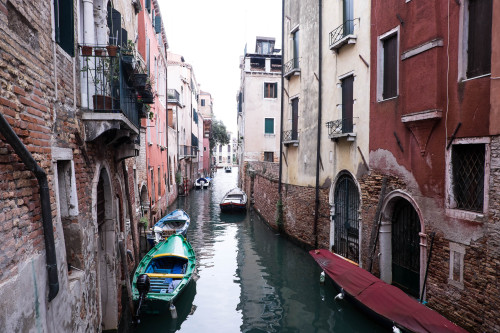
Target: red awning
383, 299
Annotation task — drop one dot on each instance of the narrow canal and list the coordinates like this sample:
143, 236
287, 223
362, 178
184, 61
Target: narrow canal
250, 278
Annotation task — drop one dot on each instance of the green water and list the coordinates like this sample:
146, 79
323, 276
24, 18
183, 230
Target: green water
251, 279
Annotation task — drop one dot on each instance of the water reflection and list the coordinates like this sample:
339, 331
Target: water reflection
250, 278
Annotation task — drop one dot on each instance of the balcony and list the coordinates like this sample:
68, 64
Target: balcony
291, 68
341, 128
291, 138
174, 97
187, 151
109, 101
344, 34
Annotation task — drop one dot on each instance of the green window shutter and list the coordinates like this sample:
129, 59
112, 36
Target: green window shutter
148, 5
65, 25
157, 24
269, 126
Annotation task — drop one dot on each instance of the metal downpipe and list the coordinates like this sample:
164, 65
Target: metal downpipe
318, 146
28, 160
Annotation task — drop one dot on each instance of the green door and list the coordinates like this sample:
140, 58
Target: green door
406, 248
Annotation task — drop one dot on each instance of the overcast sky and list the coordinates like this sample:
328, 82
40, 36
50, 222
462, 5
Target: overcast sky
211, 35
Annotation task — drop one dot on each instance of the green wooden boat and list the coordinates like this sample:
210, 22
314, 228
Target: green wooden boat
163, 274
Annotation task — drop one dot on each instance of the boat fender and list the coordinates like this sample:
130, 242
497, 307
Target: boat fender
395, 329
322, 278
340, 295
173, 311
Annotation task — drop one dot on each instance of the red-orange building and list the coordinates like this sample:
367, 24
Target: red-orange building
434, 154
152, 46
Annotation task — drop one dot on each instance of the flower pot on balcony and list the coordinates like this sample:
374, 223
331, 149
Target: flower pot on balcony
99, 52
102, 103
140, 80
112, 49
86, 50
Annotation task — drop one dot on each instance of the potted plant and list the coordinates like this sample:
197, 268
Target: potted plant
104, 75
86, 50
112, 50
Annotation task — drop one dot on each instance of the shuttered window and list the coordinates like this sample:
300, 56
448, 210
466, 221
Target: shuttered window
390, 76
479, 38
268, 156
270, 90
269, 125
347, 104
157, 24
64, 25
148, 5
295, 118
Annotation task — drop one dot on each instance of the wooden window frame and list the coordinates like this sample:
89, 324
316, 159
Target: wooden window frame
380, 63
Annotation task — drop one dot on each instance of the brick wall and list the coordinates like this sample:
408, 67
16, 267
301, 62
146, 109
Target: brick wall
260, 181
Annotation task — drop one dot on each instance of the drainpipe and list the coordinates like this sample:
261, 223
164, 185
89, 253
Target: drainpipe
282, 101
30, 163
316, 202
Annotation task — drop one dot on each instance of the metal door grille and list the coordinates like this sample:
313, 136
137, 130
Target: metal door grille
101, 213
468, 176
405, 248
346, 241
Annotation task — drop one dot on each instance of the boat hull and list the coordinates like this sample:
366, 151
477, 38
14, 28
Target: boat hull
170, 265
233, 207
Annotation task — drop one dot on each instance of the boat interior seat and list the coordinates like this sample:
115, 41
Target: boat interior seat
167, 266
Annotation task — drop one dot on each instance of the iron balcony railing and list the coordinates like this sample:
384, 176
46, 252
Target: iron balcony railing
173, 96
291, 65
105, 87
188, 151
340, 126
343, 30
290, 136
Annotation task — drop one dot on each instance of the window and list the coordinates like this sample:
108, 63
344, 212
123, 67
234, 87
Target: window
478, 37
347, 104
348, 17
64, 25
268, 156
220, 158
159, 182
228, 148
153, 185
456, 275
202, 102
270, 90
390, 67
468, 176
295, 36
295, 119
269, 125
220, 148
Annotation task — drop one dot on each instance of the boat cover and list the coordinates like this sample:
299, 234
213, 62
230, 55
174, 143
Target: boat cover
176, 215
385, 300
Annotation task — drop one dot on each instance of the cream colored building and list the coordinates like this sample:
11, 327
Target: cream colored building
259, 103
326, 106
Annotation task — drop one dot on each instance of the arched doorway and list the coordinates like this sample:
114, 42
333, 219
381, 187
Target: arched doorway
106, 252
405, 242
346, 218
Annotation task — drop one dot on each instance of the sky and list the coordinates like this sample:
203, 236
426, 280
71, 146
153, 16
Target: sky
211, 35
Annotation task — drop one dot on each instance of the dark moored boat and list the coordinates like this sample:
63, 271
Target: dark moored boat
227, 168
388, 304
234, 200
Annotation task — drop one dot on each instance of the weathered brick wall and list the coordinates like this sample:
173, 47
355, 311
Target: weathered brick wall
260, 180
23, 63
476, 306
